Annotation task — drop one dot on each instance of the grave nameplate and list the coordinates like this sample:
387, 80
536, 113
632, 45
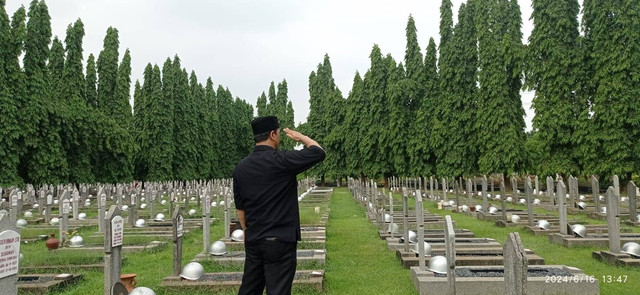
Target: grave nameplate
117, 231
10, 252
10, 237
65, 206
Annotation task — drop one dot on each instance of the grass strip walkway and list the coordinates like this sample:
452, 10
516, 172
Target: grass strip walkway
358, 262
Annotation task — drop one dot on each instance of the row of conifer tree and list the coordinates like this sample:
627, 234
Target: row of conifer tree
457, 110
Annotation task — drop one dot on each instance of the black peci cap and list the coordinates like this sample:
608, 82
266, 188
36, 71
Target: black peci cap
264, 124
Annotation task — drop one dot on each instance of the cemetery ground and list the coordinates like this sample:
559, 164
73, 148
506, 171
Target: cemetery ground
358, 261
580, 257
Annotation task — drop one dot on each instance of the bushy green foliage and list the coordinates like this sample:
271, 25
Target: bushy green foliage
325, 120
613, 43
11, 44
453, 133
280, 106
553, 42
43, 159
500, 116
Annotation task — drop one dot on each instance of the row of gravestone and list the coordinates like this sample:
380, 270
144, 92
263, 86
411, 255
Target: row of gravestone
515, 260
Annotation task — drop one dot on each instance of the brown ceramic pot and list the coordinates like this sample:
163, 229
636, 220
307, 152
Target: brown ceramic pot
129, 281
52, 243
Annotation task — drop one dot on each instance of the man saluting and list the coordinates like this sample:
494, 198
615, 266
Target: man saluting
265, 194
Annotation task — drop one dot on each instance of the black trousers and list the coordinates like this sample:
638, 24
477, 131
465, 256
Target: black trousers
269, 263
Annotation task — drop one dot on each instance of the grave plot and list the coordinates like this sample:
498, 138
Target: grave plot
45, 283
312, 257
476, 251
227, 268
516, 276
578, 235
232, 280
449, 275
629, 253
131, 244
629, 214
377, 211
10, 281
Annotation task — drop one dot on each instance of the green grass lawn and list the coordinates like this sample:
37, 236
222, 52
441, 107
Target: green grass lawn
358, 261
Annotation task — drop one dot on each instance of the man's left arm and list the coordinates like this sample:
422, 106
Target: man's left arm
242, 219
237, 197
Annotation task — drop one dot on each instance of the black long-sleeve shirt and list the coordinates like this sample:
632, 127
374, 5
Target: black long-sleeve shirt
265, 187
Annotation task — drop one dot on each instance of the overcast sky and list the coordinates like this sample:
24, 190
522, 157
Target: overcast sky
244, 45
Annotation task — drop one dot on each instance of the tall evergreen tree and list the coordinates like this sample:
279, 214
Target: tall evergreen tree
140, 167
108, 73
11, 38
213, 126
352, 128
282, 112
261, 105
552, 69
160, 124
272, 98
43, 160
55, 67
91, 92
76, 132
325, 116
453, 133
122, 108
398, 94
406, 93
184, 132
227, 144
611, 33
500, 116
423, 158
114, 163
243, 114
375, 111
204, 135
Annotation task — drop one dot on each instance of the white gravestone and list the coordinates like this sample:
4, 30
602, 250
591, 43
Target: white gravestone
113, 253
10, 243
